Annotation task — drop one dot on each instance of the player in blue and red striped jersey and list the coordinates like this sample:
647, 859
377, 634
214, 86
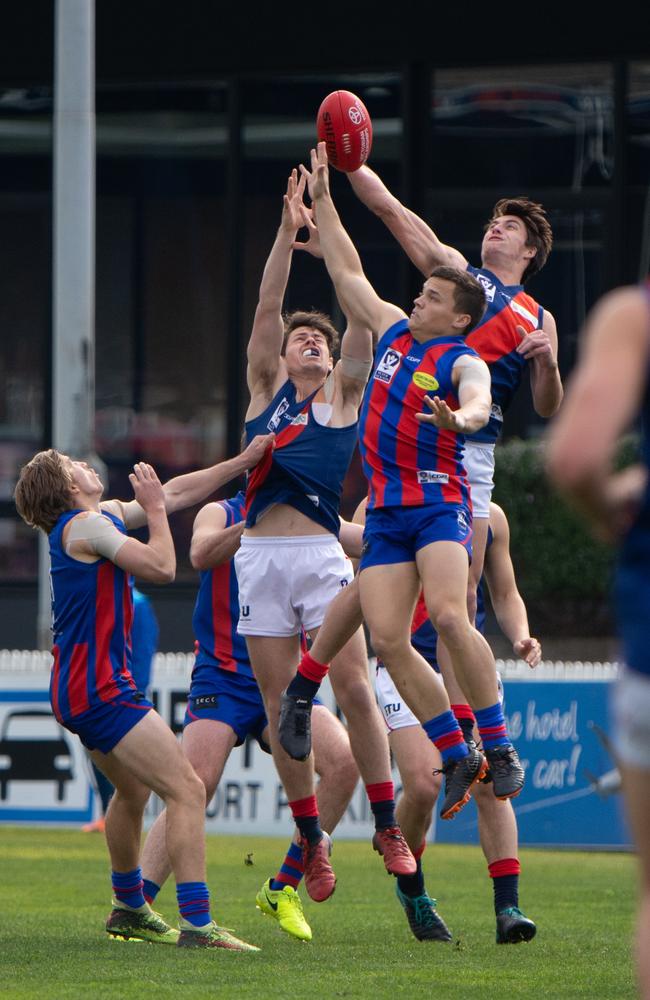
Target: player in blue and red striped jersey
290, 563
225, 706
92, 691
514, 334
426, 390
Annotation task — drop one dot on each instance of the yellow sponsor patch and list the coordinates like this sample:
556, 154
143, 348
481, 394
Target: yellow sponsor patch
425, 381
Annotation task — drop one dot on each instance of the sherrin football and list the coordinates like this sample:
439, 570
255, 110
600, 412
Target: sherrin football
344, 125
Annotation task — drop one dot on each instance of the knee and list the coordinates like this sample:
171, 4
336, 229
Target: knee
451, 623
133, 797
421, 793
344, 775
388, 647
191, 790
354, 697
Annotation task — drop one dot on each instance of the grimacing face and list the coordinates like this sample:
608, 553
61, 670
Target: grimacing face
307, 352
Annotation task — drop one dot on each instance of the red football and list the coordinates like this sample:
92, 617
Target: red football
344, 125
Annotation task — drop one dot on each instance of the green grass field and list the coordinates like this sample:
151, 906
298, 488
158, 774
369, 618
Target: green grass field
55, 898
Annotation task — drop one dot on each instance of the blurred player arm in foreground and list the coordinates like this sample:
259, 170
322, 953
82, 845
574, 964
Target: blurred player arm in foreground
602, 400
507, 602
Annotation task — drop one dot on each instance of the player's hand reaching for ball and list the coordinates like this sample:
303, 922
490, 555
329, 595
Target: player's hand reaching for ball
441, 415
147, 488
292, 219
312, 244
318, 183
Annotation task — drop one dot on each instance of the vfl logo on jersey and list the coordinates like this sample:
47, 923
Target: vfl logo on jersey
282, 406
302, 419
429, 476
488, 287
425, 381
388, 366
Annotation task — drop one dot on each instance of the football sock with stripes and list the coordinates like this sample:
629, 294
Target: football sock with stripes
444, 731
305, 815
127, 888
194, 903
292, 869
492, 726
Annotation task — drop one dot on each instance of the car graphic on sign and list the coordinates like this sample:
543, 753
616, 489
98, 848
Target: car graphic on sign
34, 747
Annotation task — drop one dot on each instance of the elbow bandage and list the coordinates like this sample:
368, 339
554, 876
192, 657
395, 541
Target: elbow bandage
354, 368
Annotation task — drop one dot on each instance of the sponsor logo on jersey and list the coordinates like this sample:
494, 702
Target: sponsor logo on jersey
314, 499
430, 476
488, 287
388, 366
302, 419
425, 381
282, 406
205, 701
392, 708
496, 413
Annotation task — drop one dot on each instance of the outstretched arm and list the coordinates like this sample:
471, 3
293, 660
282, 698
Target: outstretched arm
603, 397
357, 297
193, 487
265, 342
507, 602
472, 378
412, 233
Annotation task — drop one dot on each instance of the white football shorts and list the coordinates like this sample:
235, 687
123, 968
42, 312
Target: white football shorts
478, 460
630, 704
286, 584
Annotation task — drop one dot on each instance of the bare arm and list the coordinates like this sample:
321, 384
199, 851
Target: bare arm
603, 397
412, 233
507, 602
154, 561
540, 348
472, 378
265, 343
193, 487
212, 542
357, 297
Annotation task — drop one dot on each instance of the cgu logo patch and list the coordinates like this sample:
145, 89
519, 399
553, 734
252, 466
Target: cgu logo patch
425, 381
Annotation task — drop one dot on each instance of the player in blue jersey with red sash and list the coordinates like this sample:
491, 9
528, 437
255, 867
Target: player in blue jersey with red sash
426, 390
609, 391
514, 334
290, 563
225, 706
92, 691
418, 760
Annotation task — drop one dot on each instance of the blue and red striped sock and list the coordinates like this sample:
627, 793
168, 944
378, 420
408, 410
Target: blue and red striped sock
127, 887
492, 726
150, 890
466, 720
382, 802
194, 902
444, 731
291, 871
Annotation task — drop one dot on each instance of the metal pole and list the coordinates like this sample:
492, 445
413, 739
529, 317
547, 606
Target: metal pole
73, 354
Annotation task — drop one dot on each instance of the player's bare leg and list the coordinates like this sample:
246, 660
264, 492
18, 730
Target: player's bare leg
388, 597
367, 732
418, 761
636, 789
471, 658
274, 661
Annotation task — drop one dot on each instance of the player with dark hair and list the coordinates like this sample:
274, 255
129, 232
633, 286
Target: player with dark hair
427, 389
225, 706
92, 691
609, 390
290, 563
514, 334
